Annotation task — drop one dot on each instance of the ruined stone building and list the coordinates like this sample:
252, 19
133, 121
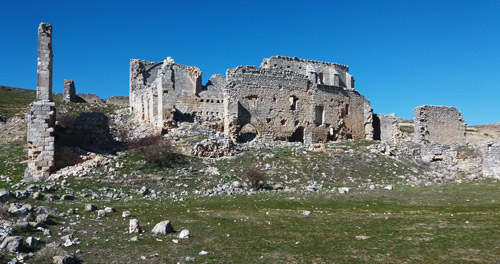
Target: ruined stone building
286, 98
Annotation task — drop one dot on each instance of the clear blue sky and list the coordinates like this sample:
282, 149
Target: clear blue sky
402, 53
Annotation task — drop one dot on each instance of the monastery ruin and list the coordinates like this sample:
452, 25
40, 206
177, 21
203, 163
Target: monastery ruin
284, 99
288, 99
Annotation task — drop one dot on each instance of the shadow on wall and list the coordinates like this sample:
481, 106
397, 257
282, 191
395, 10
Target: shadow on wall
88, 131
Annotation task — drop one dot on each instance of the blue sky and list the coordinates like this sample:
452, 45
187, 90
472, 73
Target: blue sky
402, 53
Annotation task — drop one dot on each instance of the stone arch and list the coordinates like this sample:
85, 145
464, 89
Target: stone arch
249, 132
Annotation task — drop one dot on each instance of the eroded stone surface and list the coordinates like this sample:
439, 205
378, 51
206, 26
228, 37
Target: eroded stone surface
439, 125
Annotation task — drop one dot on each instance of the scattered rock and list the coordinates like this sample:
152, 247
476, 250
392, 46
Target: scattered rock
214, 148
5, 196
33, 241
344, 190
101, 213
67, 258
90, 207
12, 244
183, 234
163, 227
126, 214
109, 209
67, 197
236, 184
134, 226
144, 191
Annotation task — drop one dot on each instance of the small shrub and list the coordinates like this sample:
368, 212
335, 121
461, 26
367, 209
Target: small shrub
154, 149
65, 120
46, 254
255, 178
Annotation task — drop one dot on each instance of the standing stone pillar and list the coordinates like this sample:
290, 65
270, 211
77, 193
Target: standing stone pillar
42, 113
69, 91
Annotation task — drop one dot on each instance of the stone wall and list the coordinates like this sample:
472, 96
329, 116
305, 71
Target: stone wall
69, 91
491, 160
322, 73
439, 125
89, 131
41, 113
386, 128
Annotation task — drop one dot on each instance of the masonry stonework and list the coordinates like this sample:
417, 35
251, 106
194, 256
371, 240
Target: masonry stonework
439, 125
287, 99
41, 114
69, 91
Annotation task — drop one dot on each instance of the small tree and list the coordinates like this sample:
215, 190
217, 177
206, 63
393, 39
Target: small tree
255, 178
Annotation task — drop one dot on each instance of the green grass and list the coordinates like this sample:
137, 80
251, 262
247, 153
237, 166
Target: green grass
456, 223
11, 157
15, 101
407, 129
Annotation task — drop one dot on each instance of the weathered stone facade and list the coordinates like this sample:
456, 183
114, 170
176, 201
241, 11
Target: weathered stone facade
439, 125
69, 91
162, 91
386, 128
41, 115
286, 99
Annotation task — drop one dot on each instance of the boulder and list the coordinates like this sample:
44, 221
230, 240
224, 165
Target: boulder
163, 227
67, 258
134, 226
184, 234
5, 196
12, 244
90, 207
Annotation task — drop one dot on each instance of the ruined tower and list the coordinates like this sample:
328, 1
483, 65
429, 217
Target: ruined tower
69, 91
42, 113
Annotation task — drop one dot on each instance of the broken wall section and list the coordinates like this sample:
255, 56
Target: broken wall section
439, 125
491, 160
386, 128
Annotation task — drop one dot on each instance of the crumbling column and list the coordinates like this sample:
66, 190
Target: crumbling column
69, 91
42, 113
